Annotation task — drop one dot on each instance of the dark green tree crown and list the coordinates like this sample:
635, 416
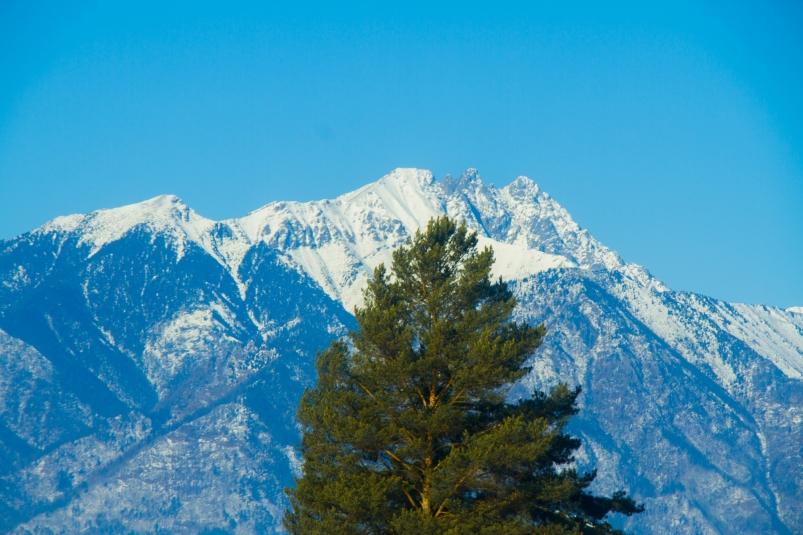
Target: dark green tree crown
408, 430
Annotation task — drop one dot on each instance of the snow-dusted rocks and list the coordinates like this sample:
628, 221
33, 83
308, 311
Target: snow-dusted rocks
339, 242
151, 361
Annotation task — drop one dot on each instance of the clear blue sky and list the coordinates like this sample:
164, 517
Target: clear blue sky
673, 131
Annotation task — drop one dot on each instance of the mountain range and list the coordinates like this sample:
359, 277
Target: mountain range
151, 361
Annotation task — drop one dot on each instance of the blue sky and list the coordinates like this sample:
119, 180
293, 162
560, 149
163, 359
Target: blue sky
672, 131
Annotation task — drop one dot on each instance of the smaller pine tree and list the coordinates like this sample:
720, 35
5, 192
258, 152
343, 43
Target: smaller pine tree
408, 431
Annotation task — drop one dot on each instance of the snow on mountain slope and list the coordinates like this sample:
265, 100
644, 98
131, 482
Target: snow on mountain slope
165, 214
770, 331
339, 242
138, 387
691, 323
30, 402
656, 425
692, 403
514, 262
522, 213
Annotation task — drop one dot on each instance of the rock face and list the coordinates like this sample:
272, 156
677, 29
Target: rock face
151, 361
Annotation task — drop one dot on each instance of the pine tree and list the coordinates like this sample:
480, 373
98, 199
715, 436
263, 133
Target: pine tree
408, 431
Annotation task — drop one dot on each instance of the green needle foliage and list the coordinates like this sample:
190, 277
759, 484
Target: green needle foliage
408, 430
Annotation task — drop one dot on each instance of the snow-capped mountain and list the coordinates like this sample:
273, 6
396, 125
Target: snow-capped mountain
151, 361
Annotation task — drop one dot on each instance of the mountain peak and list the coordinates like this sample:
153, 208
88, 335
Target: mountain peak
403, 176
468, 180
162, 214
61, 224
159, 201
523, 187
386, 211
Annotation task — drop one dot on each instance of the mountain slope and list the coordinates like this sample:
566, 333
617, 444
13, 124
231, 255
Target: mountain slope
152, 359
160, 386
